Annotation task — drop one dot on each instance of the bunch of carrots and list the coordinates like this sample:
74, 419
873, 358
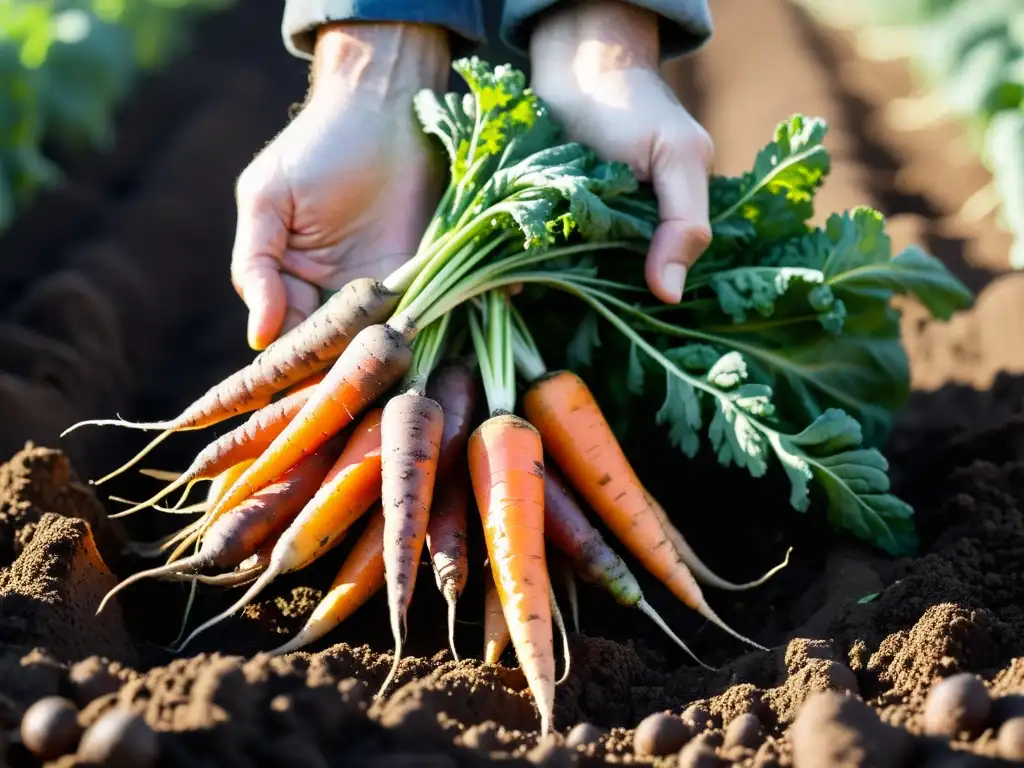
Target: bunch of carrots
365, 414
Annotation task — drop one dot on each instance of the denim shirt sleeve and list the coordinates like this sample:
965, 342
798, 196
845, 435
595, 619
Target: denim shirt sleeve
685, 24
462, 18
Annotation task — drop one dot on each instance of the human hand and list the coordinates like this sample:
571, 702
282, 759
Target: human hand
596, 65
347, 189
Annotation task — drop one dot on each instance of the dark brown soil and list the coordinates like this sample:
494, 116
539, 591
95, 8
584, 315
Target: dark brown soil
119, 301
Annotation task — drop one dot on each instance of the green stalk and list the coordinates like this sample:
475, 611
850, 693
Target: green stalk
494, 352
426, 352
528, 358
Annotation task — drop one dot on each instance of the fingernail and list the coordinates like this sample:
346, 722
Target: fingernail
673, 276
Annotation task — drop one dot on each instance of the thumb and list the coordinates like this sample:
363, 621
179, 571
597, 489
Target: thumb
260, 238
680, 177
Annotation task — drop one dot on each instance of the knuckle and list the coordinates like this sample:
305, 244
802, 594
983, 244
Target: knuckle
700, 236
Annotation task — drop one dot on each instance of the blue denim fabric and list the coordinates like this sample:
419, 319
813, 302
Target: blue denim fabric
686, 24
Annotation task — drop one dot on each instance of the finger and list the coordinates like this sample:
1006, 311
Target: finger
260, 236
680, 176
302, 301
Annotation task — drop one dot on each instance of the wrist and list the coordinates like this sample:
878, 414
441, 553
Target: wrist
586, 38
390, 60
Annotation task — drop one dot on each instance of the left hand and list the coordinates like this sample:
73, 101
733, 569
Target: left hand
597, 66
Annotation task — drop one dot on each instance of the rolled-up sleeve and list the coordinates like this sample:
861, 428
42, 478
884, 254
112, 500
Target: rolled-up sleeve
685, 24
462, 18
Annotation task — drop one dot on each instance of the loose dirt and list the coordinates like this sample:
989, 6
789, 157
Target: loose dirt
125, 305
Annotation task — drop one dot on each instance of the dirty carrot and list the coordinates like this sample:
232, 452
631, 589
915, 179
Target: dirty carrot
411, 429
352, 485
506, 467
307, 349
579, 439
567, 528
454, 387
446, 541
496, 636
361, 576
377, 358
239, 532
244, 443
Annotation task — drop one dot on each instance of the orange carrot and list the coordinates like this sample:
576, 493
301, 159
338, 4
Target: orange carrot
446, 541
567, 528
506, 464
352, 485
360, 578
496, 636
454, 387
410, 444
244, 443
240, 531
308, 348
377, 358
581, 442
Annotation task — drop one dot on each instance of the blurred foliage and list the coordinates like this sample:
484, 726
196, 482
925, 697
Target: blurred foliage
969, 56
65, 66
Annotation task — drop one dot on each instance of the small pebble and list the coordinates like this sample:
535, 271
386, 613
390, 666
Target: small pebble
660, 734
583, 734
91, 679
50, 729
697, 717
958, 704
696, 755
119, 739
836, 730
1011, 739
744, 731
711, 739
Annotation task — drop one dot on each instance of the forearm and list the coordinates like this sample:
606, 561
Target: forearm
461, 19
381, 60
679, 26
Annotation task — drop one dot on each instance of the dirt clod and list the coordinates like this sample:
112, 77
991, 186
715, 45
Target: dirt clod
50, 728
834, 730
119, 739
957, 704
660, 734
697, 755
582, 734
744, 731
697, 717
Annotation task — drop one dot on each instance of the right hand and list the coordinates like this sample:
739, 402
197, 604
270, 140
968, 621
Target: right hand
348, 187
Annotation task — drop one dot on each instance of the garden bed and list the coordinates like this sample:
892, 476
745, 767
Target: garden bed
116, 272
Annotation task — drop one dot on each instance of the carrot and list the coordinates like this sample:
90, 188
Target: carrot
454, 387
244, 443
238, 533
496, 635
561, 569
305, 350
567, 528
506, 464
361, 576
446, 541
377, 357
411, 429
581, 442
352, 485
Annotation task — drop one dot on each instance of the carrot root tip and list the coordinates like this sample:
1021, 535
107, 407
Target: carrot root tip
560, 623
705, 611
451, 598
648, 610
136, 458
269, 575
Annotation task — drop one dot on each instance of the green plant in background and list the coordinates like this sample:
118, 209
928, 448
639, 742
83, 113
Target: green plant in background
65, 67
969, 55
